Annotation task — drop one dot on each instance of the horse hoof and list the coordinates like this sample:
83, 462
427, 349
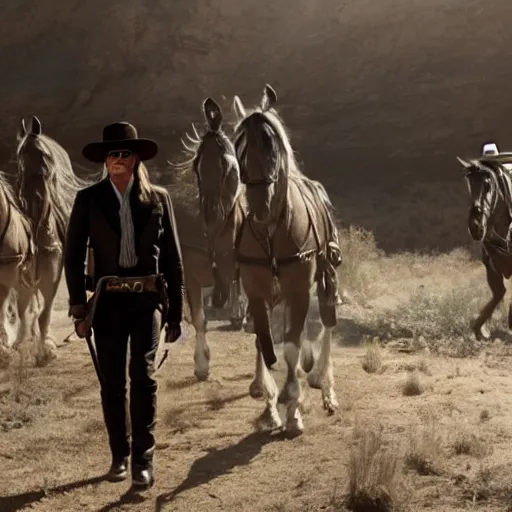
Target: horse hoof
331, 405
295, 427
202, 375
482, 334
44, 358
268, 420
314, 380
255, 390
49, 344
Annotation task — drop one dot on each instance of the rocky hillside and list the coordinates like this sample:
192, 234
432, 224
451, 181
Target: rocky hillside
380, 95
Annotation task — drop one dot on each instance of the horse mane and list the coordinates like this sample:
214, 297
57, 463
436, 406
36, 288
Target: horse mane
193, 149
287, 156
7, 190
184, 184
60, 183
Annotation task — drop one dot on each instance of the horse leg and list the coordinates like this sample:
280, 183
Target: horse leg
290, 395
264, 384
27, 331
497, 286
321, 376
9, 334
307, 356
49, 277
202, 350
235, 305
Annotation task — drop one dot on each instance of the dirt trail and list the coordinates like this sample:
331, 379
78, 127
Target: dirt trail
53, 449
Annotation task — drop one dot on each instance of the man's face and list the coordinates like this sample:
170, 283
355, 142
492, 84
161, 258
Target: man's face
120, 162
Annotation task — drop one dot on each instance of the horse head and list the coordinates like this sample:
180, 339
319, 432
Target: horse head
484, 194
264, 154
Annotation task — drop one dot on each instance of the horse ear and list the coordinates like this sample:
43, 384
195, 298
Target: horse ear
269, 98
36, 126
238, 107
22, 130
464, 163
212, 114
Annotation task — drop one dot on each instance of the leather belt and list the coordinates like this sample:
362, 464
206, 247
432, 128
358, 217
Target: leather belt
144, 284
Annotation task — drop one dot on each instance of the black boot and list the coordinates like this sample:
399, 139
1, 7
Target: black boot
143, 415
118, 470
142, 476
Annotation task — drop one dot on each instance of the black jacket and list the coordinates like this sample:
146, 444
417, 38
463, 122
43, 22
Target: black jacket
95, 218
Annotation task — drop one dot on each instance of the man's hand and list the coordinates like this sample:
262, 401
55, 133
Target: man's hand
172, 332
80, 328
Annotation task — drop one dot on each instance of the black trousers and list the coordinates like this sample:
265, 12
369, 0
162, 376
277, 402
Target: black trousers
121, 317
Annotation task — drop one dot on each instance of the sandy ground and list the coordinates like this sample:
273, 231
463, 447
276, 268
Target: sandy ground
451, 441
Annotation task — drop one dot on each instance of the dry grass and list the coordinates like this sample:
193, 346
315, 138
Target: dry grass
421, 365
413, 385
485, 415
372, 360
427, 297
207, 426
19, 396
425, 452
214, 400
358, 247
468, 443
374, 475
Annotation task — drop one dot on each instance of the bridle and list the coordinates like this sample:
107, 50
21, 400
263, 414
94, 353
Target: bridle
482, 203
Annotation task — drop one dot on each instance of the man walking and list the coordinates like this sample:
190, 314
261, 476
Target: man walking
130, 226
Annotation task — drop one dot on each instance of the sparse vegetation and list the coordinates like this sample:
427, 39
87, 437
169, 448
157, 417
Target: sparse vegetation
413, 385
421, 365
214, 400
411, 310
468, 443
425, 451
374, 475
484, 415
359, 249
487, 487
372, 360
438, 314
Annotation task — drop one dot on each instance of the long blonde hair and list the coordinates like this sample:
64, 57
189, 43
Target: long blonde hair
141, 182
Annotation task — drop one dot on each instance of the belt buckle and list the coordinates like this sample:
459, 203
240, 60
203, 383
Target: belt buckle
138, 287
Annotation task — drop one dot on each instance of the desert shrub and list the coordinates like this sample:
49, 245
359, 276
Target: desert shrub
437, 315
468, 443
413, 385
374, 474
372, 360
425, 452
358, 248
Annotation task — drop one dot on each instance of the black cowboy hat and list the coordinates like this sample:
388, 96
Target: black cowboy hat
120, 136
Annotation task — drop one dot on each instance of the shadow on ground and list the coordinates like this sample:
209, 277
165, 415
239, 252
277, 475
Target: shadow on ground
217, 463
20, 501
